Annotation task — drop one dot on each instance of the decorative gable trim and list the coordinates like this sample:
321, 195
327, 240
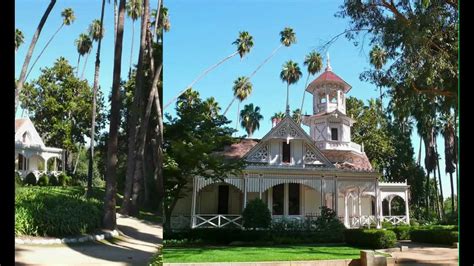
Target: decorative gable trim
259, 155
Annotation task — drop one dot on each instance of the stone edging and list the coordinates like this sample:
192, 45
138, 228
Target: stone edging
54, 241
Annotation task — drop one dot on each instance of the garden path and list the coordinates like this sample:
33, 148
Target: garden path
426, 254
138, 241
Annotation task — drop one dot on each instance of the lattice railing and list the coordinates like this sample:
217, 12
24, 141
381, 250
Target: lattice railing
216, 220
394, 220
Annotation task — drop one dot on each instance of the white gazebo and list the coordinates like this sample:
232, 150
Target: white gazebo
31, 155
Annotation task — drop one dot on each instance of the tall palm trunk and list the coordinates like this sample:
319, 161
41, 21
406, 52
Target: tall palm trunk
452, 191
253, 73
156, 21
130, 189
85, 64
131, 48
304, 93
78, 62
419, 150
440, 184
201, 76
436, 203
24, 68
95, 88
109, 220
44, 48
115, 20
77, 159
287, 97
238, 118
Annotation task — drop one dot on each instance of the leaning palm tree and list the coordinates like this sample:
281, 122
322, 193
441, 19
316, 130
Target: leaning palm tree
84, 46
244, 44
97, 35
290, 73
378, 58
242, 89
134, 11
19, 39
250, 119
287, 38
34, 40
68, 19
96, 32
314, 64
212, 106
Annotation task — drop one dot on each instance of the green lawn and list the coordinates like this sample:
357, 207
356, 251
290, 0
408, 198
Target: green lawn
252, 254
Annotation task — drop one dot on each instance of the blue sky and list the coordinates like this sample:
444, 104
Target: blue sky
201, 34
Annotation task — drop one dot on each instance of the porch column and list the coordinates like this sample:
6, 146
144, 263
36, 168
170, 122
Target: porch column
193, 203
358, 201
245, 192
407, 211
336, 197
45, 165
55, 165
260, 188
377, 209
346, 211
285, 199
390, 206
322, 194
63, 161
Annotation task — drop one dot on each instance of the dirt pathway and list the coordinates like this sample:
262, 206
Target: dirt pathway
138, 241
426, 254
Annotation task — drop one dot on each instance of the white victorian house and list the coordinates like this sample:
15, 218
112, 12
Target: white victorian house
31, 155
296, 173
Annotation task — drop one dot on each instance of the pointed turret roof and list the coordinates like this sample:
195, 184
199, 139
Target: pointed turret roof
328, 76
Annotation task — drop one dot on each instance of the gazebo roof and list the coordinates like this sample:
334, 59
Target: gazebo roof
328, 76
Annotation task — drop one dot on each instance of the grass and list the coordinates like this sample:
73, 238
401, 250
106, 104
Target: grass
253, 254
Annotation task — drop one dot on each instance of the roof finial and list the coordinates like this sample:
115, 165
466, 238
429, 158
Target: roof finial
328, 63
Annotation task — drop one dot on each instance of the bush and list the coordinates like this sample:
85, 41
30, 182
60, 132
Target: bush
18, 179
402, 232
256, 215
53, 180
370, 238
30, 180
64, 180
434, 235
55, 212
43, 180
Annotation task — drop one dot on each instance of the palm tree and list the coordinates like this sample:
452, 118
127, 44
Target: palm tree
84, 46
378, 58
242, 89
244, 44
277, 117
314, 64
296, 115
449, 152
250, 119
68, 19
97, 33
212, 106
290, 73
19, 39
134, 11
34, 40
287, 37
109, 221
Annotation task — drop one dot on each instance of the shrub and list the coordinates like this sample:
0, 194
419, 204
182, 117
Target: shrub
370, 238
64, 180
256, 215
30, 180
55, 212
43, 180
53, 180
18, 179
328, 221
402, 232
434, 235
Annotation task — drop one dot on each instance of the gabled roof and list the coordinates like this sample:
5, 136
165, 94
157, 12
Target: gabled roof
24, 125
19, 122
329, 76
239, 149
289, 129
348, 160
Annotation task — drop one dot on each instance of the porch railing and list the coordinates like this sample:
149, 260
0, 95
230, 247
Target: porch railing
216, 220
394, 220
364, 220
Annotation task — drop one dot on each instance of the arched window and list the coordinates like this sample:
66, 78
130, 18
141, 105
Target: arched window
23, 137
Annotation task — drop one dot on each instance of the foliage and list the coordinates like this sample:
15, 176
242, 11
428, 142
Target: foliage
18, 179
43, 180
402, 232
328, 221
192, 144
53, 180
250, 118
370, 238
30, 179
19, 38
80, 177
64, 179
56, 211
435, 235
244, 43
61, 106
256, 215
157, 258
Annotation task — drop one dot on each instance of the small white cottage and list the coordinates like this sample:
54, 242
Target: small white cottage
31, 155
296, 173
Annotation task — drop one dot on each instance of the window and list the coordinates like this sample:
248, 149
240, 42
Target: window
293, 199
334, 134
286, 157
20, 162
24, 137
223, 200
278, 197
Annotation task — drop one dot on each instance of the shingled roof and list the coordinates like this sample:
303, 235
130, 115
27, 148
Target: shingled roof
239, 149
348, 160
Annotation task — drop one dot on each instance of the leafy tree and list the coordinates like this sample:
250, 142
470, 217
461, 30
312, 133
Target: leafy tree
256, 215
191, 144
60, 104
19, 39
250, 118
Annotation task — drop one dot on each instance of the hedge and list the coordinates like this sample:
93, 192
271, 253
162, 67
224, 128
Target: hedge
436, 235
402, 232
370, 238
55, 212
